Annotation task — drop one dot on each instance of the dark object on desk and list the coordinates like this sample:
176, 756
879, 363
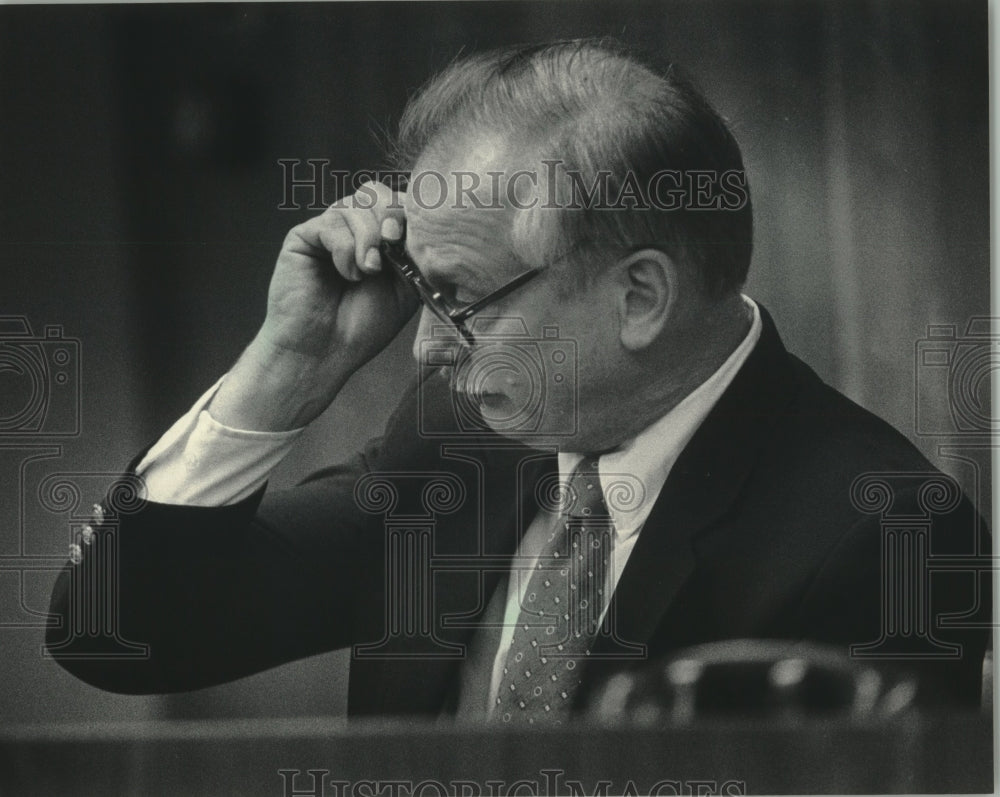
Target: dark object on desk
748, 678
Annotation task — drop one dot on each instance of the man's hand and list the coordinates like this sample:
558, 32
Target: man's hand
328, 297
331, 307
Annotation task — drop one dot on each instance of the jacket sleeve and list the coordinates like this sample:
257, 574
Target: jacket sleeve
165, 598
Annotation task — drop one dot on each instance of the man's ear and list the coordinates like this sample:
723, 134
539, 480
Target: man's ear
649, 284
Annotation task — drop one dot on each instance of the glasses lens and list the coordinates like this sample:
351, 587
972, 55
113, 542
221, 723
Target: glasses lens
409, 274
434, 304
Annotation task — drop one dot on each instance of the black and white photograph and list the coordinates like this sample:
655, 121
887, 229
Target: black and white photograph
496, 398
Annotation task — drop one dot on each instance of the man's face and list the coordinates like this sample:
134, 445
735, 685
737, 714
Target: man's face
541, 370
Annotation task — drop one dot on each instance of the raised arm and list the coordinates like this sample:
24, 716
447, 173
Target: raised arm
164, 595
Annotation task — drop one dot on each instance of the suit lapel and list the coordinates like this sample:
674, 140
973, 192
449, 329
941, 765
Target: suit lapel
702, 485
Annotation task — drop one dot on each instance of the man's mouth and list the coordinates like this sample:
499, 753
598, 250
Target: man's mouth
478, 391
481, 386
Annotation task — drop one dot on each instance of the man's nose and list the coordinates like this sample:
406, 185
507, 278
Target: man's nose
432, 330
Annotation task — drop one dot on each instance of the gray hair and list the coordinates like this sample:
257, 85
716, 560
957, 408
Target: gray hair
613, 122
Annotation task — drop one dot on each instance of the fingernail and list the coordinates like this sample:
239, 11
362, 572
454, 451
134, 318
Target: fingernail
372, 259
391, 229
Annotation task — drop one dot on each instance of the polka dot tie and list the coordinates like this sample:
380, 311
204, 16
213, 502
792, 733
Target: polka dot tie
561, 608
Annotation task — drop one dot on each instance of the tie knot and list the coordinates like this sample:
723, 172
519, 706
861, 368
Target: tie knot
586, 499
588, 467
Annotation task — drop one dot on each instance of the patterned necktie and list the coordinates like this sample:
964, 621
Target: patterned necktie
561, 608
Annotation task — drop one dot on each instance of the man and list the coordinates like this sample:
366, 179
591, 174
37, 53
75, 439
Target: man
609, 456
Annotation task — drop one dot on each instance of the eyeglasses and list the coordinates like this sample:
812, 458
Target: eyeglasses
455, 317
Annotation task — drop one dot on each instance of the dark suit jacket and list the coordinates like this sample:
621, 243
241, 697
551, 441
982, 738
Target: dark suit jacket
755, 534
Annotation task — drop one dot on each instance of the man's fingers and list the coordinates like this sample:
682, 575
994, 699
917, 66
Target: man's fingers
381, 217
351, 230
323, 239
390, 213
338, 239
392, 229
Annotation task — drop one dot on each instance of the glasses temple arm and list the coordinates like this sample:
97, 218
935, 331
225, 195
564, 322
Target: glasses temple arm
460, 314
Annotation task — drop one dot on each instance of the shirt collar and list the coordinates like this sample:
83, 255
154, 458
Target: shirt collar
633, 475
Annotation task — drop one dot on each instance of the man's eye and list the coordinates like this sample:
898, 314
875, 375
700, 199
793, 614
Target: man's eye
444, 289
457, 294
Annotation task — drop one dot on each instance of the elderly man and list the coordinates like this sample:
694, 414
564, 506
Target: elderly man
608, 454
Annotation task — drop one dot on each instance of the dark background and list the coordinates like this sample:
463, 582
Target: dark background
140, 185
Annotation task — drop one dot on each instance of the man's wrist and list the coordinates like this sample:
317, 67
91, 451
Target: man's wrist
275, 390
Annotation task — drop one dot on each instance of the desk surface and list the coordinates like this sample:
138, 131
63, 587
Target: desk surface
399, 759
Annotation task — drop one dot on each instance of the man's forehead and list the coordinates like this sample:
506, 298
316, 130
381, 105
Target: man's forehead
460, 195
470, 153
439, 210
485, 170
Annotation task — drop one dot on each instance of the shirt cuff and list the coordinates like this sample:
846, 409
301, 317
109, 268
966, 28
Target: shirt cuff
201, 462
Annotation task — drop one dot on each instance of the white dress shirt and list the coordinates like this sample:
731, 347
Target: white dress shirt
201, 462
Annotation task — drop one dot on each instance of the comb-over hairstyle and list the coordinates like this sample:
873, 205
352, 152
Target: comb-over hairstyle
597, 108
